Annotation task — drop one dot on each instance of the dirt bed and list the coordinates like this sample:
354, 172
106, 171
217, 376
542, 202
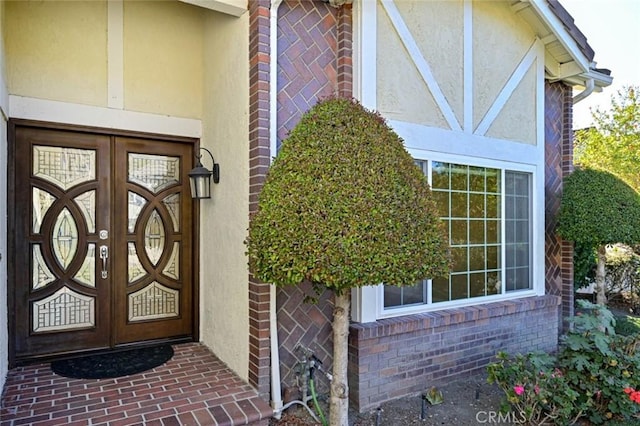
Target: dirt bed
470, 401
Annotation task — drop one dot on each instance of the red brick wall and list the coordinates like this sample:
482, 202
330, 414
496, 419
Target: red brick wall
308, 70
559, 163
403, 356
259, 354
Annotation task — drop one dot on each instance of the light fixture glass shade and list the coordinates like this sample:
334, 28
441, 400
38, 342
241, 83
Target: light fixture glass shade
200, 180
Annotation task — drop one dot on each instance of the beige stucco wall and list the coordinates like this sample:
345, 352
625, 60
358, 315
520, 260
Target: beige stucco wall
163, 58
500, 41
57, 50
224, 219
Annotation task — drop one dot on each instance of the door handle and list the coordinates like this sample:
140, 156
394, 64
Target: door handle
104, 255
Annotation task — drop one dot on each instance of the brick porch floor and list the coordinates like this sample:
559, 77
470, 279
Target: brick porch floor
193, 388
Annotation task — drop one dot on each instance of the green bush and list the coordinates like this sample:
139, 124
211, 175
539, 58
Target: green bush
598, 208
600, 364
535, 389
345, 206
596, 374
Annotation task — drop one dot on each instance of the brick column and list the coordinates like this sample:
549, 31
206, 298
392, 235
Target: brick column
259, 353
558, 164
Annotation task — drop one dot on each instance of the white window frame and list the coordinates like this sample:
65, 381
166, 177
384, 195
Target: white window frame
426, 143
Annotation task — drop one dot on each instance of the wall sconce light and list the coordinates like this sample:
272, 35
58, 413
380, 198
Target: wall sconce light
200, 177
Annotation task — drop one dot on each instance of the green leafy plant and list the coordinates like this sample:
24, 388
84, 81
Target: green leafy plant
595, 374
600, 364
535, 388
345, 206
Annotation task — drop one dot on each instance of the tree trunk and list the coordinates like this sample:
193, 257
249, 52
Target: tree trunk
339, 400
601, 298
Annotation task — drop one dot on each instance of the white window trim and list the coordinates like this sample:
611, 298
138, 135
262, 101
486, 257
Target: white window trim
426, 143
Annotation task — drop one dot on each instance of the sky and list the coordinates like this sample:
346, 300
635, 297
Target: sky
612, 28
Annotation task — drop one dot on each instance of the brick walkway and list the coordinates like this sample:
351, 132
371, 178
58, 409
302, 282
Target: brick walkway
193, 388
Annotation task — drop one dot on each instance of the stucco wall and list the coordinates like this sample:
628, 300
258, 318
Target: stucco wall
499, 42
163, 58
57, 50
224, 221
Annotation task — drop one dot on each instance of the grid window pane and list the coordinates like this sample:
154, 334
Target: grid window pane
471, 201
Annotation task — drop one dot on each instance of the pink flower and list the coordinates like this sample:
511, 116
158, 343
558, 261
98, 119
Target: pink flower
536, 389
519, 390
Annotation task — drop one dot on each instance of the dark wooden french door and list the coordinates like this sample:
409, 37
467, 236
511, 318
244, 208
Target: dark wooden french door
103, 242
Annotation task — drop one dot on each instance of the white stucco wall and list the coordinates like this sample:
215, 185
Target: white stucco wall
224, 322
467, 51
4, 338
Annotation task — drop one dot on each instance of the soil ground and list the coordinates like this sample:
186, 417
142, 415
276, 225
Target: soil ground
468, 401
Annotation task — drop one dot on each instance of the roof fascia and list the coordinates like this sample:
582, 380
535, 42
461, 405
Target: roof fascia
542, 9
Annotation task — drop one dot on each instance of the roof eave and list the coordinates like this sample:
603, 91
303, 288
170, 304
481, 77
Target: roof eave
580, 69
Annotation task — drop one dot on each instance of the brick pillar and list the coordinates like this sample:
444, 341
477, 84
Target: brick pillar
259, 353
558, 164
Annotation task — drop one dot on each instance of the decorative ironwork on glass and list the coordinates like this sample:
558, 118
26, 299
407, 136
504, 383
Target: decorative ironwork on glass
65, 238
154, 237
154, 172
172, 270
135, 268
136, 204
87, 273
42, 275
64, 167
153, 302
63, 310
172, 202
87, 204
42, 201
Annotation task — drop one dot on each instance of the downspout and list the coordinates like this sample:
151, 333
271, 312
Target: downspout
586, 92
276, 391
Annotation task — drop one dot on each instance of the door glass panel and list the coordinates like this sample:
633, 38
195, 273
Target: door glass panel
42, 275
42, 201
65, 238
87, 204
154, 172
152, 302
64, 167
63, 310
135, 268
172, 202
172, 270
87, 272
136, 204
154, 237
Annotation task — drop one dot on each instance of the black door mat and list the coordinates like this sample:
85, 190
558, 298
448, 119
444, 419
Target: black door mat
113, 364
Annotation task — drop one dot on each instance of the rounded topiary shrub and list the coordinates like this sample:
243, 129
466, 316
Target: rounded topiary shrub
598, 208
344, 205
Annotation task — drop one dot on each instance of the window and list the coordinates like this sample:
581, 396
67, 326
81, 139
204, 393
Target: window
487, 212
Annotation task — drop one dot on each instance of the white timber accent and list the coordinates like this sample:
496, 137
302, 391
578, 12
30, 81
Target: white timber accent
510, 86
108, 118
421, 63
